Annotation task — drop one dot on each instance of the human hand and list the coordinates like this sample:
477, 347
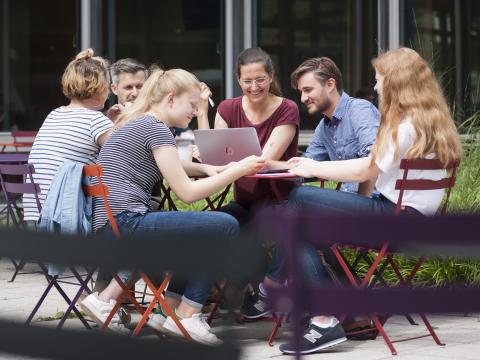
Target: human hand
195, 152
114, 111
205, 93
303, 167
250, 165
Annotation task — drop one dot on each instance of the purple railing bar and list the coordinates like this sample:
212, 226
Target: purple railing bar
440, 235
443, 235
13, 158
331, 300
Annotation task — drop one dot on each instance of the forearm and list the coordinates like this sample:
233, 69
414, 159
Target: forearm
202, 188
194, 169
354, 170
202, 120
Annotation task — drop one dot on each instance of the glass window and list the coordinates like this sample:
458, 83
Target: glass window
171, 33
429, 29
41, 42
474, 93
292, 31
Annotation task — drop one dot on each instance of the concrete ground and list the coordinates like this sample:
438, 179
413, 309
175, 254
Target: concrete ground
460, 333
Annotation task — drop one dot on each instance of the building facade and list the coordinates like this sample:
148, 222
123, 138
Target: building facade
204, 36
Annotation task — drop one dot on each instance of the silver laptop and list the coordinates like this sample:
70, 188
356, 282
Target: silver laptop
221, 146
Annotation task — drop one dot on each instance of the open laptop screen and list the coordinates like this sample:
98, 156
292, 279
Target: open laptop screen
221, 146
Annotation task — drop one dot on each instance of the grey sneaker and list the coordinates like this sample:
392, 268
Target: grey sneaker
196, 326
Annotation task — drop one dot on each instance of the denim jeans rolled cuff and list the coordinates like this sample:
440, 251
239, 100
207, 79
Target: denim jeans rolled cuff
193, 291
183, 298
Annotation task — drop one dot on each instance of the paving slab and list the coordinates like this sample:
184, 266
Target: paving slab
460, 333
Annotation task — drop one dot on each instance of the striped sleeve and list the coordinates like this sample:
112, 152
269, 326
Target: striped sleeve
99, 125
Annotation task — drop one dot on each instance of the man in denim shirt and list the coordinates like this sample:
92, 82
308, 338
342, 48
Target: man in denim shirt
347, 131
349, 125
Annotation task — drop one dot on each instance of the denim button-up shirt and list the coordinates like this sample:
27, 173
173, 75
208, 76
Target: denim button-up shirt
349, 134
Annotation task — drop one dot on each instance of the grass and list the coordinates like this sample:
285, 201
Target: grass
465, 198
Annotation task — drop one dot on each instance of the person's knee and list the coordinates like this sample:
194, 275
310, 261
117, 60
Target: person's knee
230, 226
297, 196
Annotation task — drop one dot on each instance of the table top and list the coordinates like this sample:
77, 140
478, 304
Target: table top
279, 175
6, 158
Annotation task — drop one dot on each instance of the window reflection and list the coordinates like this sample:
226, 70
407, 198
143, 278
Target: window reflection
172, 33
294, 30
41, 42
429, 29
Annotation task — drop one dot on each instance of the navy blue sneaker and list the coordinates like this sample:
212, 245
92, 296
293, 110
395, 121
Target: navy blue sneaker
254, 306
315, 338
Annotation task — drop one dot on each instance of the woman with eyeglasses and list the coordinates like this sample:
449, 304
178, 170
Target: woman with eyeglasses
275, 118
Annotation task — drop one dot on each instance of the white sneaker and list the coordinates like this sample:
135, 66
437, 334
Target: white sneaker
98, 310
196, 326
156, 321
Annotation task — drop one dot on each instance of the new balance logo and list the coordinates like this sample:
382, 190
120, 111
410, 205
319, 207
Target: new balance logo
312, 336
260, 305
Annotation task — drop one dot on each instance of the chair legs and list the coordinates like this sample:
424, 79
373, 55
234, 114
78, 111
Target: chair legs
18, 266
158, 297
54, 281
374, 275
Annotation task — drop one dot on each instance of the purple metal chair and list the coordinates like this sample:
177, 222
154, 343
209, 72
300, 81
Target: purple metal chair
55, 281
10, 174
13, 189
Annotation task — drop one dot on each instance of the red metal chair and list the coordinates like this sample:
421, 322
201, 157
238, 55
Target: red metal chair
100, 190
22, 141
378, 260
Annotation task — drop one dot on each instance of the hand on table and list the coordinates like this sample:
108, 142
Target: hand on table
251, 165
303, 167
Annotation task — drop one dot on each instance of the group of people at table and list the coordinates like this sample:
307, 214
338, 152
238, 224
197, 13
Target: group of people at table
354, 143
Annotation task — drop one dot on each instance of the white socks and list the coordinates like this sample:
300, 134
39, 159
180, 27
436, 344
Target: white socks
332, 323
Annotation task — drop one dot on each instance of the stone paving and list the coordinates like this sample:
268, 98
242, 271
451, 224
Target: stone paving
460, 333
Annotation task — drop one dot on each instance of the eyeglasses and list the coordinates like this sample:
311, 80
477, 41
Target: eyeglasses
258, 81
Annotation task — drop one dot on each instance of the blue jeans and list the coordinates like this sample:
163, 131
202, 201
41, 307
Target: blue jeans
194, 290
331, 202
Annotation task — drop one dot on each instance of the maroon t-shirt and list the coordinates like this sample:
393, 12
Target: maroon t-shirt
248, 191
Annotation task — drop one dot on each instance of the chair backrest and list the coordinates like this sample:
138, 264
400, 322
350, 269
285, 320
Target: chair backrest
12, 188
23, 139
426, 184
99, 190
24, 136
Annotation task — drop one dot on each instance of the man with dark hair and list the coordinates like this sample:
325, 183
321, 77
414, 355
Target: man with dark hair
128, 77
349, 125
